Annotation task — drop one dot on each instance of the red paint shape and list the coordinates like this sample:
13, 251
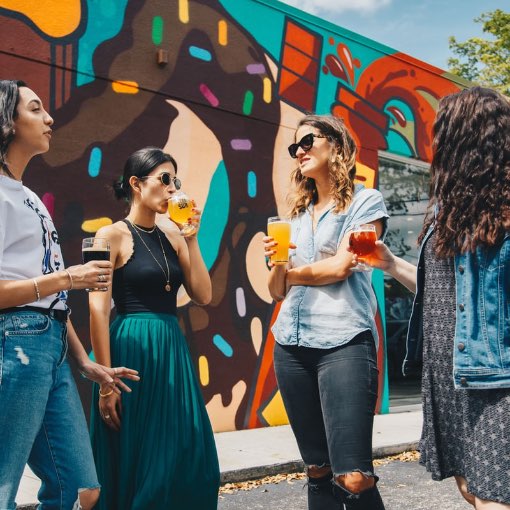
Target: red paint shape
336, 67
325, 69
48, 199
346, 58
399, 116
331, 41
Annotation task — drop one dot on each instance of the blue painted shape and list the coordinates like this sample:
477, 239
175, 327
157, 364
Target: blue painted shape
200, 53
214, 216
252, 184
96, 156
223, 346
104, 21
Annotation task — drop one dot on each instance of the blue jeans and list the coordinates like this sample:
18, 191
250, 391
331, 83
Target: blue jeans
330, 397
42, 423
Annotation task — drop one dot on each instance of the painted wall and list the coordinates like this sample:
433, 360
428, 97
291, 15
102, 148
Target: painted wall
238, 76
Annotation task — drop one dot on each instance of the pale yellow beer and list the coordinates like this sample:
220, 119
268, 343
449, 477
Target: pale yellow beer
279, 229
180, 210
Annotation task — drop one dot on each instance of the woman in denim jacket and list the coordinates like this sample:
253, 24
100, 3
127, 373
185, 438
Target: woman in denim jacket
325, 351
459, 332
41, 418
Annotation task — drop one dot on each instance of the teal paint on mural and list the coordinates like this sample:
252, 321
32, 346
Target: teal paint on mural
398, 144
104, 21
214, 216
378, 285
157, 30
248, 102
200, 53
252, 184
223, 345
96, 157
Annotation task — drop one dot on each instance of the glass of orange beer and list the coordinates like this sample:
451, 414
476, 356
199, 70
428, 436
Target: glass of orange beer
180, 210
279, 229
362, 242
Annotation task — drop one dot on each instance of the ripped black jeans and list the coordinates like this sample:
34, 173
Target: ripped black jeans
330, 397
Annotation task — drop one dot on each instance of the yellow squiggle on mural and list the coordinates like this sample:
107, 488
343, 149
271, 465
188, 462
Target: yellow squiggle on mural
274, 413
56, 18
184, 11
267, 90
203, 370
92, 226
222, 32
125, 87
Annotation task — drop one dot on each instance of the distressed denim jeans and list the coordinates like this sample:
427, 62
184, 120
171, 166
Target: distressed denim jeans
42, 423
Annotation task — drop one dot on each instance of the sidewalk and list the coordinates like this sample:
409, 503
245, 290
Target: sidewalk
248, 454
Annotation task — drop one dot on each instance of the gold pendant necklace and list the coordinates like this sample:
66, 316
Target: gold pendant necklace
136, 228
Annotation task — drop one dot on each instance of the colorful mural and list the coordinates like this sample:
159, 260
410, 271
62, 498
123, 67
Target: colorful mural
221, 85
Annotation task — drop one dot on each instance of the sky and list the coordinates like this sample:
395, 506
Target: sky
420, 28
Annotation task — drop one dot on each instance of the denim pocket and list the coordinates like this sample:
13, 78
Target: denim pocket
27, 324
328, 235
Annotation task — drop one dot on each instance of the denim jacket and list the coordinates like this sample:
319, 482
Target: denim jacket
481, 354
327, 316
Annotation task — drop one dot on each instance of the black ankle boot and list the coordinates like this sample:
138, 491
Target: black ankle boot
321, 494
369, 499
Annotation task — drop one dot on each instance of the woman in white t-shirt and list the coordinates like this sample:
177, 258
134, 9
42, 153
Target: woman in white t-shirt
41, 418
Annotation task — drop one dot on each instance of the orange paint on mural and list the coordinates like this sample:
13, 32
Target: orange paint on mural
125, 87
55, 18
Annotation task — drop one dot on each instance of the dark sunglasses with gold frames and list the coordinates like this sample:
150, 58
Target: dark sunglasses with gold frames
165, 178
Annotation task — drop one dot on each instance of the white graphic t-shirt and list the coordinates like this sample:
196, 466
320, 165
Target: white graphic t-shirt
29, 245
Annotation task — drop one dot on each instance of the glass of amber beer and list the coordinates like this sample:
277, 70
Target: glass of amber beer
362, 242
279, 229
180, 210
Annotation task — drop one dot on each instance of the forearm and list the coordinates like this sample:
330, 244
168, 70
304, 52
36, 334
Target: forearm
100, 336
277, 282
76, 349
22, 292
404, 272
200, 287
323, 272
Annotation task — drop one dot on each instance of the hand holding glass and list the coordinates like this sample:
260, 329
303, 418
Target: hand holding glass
279, 229
95, 248
180, 210
362, 242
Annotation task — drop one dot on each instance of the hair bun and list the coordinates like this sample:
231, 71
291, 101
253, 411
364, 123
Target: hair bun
118, 189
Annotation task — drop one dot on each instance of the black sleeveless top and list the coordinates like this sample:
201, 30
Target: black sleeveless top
139, 285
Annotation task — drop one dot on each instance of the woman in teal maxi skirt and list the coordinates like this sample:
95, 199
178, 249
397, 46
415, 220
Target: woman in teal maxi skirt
154, 448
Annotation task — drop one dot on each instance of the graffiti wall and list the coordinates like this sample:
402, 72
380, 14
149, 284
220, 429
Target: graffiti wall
220, 84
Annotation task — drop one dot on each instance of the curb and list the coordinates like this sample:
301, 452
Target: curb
293, 466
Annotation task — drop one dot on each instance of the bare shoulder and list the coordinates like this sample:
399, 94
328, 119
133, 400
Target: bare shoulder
113, 232
172, 233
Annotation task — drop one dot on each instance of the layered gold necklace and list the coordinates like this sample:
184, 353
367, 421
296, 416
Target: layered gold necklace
138, 229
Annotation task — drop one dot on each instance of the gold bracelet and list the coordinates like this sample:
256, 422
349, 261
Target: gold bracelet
70, 279
105, 394
36, 288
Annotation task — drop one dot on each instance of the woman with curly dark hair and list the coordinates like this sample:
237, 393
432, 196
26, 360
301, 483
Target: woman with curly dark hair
326, 335
460, 325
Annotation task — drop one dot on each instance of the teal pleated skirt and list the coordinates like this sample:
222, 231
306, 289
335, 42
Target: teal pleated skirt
164, 457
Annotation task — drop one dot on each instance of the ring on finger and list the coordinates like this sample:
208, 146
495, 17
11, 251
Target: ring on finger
106, 416
101, 278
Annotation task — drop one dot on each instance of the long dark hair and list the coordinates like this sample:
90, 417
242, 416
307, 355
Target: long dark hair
342, 167
9, 100
470, 172
140, 164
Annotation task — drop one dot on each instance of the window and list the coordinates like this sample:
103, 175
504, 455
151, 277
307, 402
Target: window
404, 184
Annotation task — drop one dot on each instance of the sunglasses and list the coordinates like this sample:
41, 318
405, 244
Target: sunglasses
306, 143
165, 178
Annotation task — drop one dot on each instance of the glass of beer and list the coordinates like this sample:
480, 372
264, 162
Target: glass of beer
279, 229
362, 242
95, 248
180, 210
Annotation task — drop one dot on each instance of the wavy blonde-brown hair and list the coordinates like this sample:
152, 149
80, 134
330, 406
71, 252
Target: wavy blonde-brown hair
342, 166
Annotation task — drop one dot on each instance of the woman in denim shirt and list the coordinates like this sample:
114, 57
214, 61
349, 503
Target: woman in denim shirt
460, 325
41, 418
325, 351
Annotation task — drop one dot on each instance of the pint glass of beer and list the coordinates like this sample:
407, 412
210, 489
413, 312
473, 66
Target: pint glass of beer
95, 248
180, 210
279, 229
362, 242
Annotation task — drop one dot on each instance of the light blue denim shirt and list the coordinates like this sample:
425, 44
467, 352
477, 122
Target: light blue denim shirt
330, 315
481, 350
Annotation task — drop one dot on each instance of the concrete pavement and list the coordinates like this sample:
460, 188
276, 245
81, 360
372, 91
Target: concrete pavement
249, 454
